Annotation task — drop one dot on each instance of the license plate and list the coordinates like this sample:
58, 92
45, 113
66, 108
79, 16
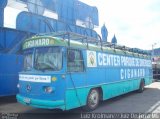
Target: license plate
27, 100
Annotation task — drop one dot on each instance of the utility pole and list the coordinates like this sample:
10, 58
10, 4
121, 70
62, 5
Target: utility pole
153, 50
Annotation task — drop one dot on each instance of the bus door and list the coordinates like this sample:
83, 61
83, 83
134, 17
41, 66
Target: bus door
76, 80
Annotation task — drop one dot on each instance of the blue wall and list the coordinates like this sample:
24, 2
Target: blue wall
10, 65
39, 24
9, 38
1, 16
3, 3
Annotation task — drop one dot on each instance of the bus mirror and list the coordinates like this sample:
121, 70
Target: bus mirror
71, 56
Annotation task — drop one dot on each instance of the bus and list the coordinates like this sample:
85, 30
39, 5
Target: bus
65, 70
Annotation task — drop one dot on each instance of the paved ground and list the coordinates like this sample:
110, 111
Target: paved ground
146, 102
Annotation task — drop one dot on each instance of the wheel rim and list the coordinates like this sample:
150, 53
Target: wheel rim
93, 99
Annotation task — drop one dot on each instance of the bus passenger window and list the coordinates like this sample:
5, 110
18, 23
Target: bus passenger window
75, 61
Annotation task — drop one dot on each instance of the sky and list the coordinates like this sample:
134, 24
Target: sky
135, 23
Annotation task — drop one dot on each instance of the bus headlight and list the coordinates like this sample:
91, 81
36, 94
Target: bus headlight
48, 89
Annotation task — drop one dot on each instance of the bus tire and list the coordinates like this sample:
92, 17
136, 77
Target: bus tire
93, 99
141, 86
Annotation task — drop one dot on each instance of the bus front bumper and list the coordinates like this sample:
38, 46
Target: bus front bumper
59, 104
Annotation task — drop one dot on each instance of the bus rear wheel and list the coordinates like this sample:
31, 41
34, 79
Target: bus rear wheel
141, 87
92, 100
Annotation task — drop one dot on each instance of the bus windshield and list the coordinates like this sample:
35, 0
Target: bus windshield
49, 58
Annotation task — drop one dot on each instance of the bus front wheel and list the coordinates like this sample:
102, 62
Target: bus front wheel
92, 100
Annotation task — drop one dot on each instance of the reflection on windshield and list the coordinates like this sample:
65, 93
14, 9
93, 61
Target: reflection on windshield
48, 59
28, 59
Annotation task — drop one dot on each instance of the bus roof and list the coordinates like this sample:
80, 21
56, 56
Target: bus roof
73, 40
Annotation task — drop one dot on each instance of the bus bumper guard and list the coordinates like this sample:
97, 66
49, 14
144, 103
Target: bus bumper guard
40, 103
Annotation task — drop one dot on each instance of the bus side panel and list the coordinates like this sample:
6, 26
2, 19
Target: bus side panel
76, 97
96, 76
110, 90
149, 79
117, 88
107, 77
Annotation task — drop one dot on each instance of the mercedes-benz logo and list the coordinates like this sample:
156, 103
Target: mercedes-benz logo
28, 88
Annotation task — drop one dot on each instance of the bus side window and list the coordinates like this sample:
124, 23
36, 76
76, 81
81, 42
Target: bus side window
74, 61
